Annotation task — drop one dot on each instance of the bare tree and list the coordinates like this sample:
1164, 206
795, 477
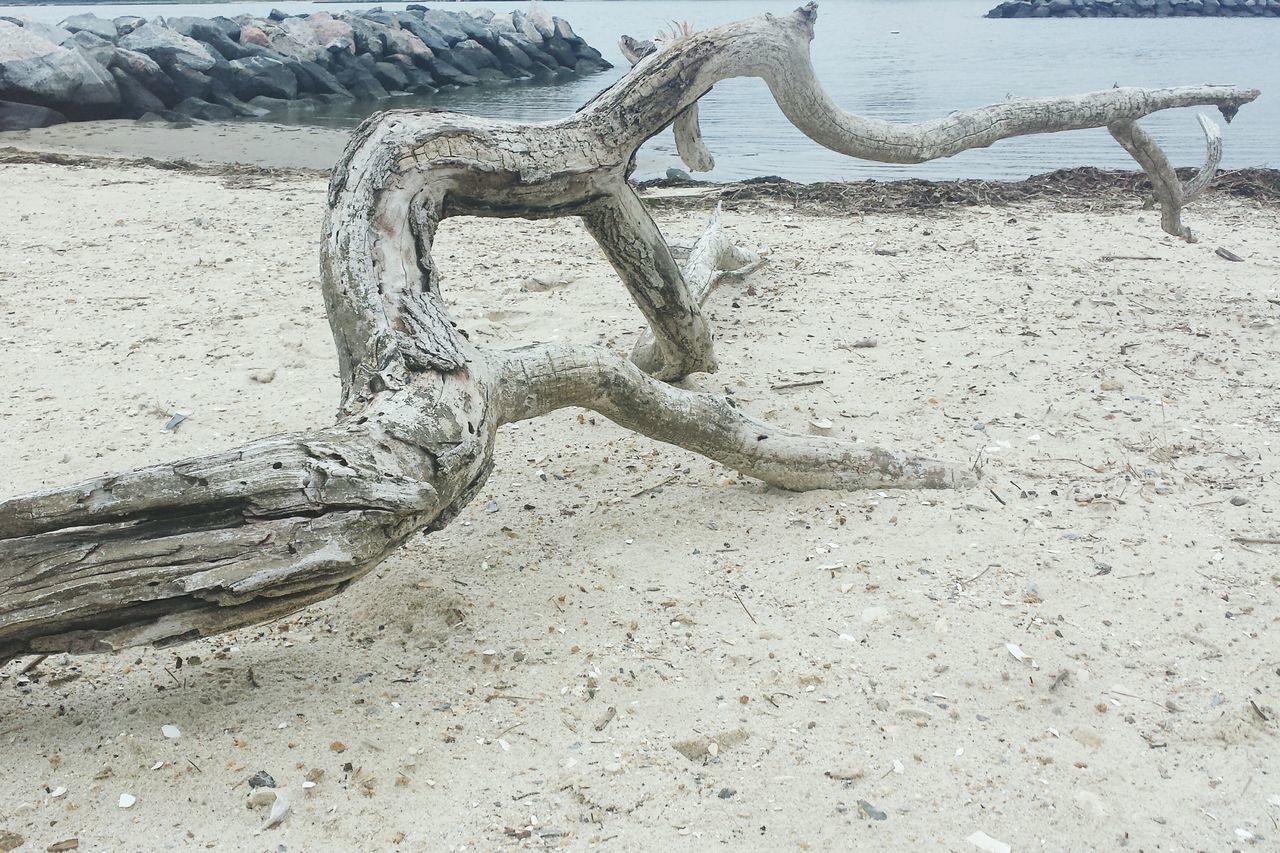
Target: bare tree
186, 549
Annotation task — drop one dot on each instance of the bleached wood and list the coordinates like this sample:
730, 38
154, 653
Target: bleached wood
182, 550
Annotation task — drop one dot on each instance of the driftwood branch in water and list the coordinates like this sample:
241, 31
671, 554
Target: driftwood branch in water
176, 551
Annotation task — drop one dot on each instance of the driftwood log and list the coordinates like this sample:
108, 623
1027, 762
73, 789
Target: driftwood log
186, 549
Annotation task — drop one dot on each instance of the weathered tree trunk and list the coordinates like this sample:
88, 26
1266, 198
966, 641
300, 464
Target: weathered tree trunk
176, 551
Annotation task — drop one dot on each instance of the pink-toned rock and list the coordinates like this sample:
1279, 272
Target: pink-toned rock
253, 35
327, 28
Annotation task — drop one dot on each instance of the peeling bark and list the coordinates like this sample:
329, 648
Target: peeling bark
171, 552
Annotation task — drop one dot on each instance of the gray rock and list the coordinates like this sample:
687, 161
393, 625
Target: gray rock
262, 75
148, 72
469, 57
25, 116
95, 46
126, 24
427, 33
168, 47
220, 93
56, 35
446, 23
90, 23
391, 76
358, 78
189, 83
315, 78
564, 31
209, 33
196, 108
512, 56
135, 99
36, 71
561, 50
174, 119
277, 104
450, 75
368, 37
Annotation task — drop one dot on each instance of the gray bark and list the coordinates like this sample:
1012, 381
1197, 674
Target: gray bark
171, 552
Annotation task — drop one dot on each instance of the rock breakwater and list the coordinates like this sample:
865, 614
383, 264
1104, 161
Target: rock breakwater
219, 68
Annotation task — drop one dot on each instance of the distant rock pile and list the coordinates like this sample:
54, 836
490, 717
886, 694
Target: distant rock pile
1136, 9
219, 68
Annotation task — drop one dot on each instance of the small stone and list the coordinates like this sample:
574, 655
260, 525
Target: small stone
261, 779
262, 375
1239, 500
10, 841
171, 732
127, 800
869, 811
726, 793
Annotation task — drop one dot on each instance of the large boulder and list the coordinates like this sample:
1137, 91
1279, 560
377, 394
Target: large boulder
262, 75
96, 47
90, 23
26, 116
126, 24
512, 56
33, 70
445, 74
136, 100
358, 77
446, 23
369, 36
249, 34
168, 47
148, 72
189, 82
56, 35
391, 76
561, 50
426, 33
316, 79
197, 108
209, 33
326, 28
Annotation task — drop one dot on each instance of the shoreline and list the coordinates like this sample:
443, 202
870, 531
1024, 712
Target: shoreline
1079, 186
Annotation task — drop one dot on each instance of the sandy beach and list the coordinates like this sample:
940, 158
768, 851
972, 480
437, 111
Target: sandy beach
622, 646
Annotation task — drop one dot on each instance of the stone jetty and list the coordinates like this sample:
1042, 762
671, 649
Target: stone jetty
1136, 9
184, 68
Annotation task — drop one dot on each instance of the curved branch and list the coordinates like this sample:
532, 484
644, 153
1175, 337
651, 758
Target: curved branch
777, 50
541, 379
1168, 189
686, 127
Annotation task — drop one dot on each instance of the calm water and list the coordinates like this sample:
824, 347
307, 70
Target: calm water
905, 60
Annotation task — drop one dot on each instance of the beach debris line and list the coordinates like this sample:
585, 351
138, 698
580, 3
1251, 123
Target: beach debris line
267, 528
186, 68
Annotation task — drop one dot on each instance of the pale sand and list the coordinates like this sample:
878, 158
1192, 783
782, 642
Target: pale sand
838, 647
